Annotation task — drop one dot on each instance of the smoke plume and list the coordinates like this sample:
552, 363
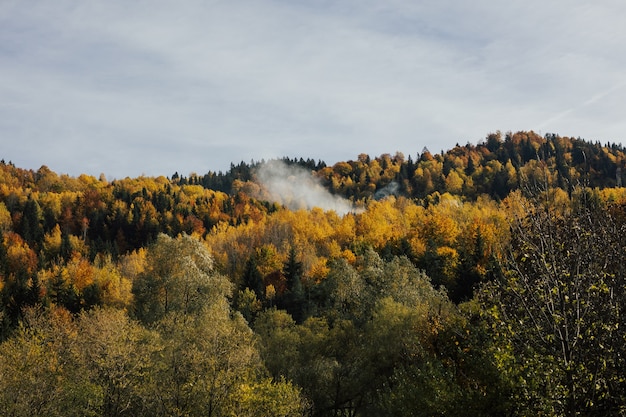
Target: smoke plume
390, 189
296, 188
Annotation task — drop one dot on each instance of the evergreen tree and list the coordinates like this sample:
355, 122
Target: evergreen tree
253, 279
32, 223
294, 297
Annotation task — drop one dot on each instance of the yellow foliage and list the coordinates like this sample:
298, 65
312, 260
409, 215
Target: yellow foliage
418, 246
334, 249
116, 289
270, 292
450, 261
454, 182
52, 242
19, 256
381, 222
6, 223
318, 271
268, 259
349, 256
79, 272
78, 245
133, 264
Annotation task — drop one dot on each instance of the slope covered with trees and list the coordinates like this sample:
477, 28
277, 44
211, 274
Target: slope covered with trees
485, 280
494, 167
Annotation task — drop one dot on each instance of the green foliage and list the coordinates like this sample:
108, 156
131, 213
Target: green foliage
179, 277
385, 339
196, 358
560, 300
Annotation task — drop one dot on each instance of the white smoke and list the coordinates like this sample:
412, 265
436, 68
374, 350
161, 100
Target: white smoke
390, 189
296, 188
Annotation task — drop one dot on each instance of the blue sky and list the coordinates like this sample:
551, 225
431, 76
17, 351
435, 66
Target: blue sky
127, 88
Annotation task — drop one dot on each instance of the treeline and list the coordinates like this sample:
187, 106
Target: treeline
241, 172
160, 296
494, 167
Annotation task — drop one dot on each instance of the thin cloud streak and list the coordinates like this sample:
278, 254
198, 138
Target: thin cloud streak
157, 87
596, 98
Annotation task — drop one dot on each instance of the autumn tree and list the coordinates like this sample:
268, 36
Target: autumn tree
208, 353
117, 355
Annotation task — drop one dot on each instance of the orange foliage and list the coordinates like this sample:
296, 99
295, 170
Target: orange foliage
20, 257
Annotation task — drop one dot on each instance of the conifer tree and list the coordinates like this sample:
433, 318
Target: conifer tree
294, 296
252, 278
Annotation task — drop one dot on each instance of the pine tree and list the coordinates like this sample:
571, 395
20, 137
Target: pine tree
293, 272
32, 223
252, 278
294, 297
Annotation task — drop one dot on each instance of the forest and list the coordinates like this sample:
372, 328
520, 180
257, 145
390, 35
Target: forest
487, 280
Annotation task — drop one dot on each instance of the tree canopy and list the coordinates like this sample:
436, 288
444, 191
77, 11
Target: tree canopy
487, 280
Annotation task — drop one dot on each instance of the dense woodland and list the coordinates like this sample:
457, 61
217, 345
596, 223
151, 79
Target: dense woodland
487, 280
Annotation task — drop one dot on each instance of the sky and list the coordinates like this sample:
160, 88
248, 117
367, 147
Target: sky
153, 87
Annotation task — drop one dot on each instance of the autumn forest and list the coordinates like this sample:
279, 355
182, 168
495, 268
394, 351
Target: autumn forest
486, 280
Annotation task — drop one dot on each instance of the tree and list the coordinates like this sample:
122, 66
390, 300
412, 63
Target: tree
6, 223
206, 356
561, 298
40, 373
293, 300
179, 277
18, 268
32, 223
116, 354
252, 278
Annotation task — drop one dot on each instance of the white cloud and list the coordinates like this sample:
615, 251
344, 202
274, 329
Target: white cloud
156, 86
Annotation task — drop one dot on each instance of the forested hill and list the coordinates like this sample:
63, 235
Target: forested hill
125, 214
487, 280
494, 167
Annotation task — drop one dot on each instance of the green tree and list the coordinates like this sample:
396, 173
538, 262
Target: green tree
208, 360
252, 278
39, 370
205, 359
179, 277
294, 298
32, 223
386, 343
561, 299
117, 354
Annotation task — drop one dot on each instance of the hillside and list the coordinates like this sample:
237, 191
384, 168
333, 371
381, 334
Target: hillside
388, 285
494, 167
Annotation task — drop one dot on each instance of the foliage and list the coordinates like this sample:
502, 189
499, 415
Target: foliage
561, 300
384, 325
190, 361
455, 288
